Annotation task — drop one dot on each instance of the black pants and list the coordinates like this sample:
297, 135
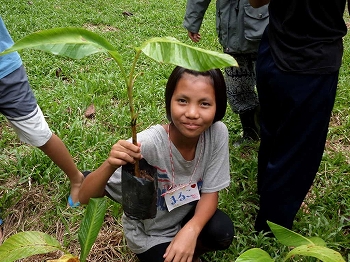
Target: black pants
216, 235
295, 114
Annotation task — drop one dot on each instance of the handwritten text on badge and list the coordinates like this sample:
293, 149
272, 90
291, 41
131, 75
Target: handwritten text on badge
181, 196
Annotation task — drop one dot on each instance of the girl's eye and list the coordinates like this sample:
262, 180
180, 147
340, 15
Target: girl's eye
205, 104
181, 100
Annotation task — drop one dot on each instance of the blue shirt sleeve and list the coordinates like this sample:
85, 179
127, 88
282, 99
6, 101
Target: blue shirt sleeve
9, 62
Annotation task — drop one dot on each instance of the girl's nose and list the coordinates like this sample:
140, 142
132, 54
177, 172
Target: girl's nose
192, 112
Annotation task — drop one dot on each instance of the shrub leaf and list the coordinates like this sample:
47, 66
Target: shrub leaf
90, 225
288, 237
320, 252
28, 243
254, 255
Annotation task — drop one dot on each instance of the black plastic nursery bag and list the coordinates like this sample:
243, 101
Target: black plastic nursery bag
139, 194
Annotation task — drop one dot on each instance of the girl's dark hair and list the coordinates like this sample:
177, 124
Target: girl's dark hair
218, 83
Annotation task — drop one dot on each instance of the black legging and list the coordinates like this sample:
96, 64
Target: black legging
217, 234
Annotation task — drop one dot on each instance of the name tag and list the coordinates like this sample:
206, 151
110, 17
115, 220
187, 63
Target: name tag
180, 196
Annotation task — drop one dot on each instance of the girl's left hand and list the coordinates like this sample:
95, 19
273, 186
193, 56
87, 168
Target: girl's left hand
181, 248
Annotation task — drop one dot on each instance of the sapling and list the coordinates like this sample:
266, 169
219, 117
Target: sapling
28, 243
300, 246
77, 43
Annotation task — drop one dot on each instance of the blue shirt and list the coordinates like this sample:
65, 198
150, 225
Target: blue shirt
9, 62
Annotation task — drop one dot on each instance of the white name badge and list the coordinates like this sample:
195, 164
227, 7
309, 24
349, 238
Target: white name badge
180, 196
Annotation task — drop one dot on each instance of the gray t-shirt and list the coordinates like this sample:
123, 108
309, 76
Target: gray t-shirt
212, 174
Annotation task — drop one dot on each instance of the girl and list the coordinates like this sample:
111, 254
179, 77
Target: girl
191, 152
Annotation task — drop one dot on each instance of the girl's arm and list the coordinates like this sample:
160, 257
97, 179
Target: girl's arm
94, 184
122, 152
183, 245
258, 3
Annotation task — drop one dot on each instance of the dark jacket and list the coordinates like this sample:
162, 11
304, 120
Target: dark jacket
239, 26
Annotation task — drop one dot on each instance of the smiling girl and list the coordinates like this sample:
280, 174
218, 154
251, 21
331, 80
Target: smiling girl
192, 159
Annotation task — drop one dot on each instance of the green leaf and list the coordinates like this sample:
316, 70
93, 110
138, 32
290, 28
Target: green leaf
71, 42
90, 225
288, 237
317, 241
254, 255
26, 244
320, 252
169, 50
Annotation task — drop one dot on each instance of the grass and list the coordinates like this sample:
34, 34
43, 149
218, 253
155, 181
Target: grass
34, 191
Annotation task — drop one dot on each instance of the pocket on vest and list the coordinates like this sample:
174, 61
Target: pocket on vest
255, 22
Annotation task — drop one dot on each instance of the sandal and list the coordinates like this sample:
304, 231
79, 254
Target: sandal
71, 203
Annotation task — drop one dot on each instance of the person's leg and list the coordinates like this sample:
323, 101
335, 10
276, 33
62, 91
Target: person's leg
241, 95
19, 106
56, 150
217, 234
154, 254
295, 114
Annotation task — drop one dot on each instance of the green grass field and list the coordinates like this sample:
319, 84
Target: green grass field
33, 191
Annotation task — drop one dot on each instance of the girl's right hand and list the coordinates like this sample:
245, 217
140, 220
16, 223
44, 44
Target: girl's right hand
124, 152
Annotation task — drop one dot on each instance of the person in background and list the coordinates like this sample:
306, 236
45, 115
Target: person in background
19, 106
191, 157
239, 28
297, 75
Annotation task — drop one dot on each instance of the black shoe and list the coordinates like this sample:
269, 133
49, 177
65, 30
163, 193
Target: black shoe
250, 125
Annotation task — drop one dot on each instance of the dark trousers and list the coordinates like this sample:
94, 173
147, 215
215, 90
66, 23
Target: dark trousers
216, 235
295, 114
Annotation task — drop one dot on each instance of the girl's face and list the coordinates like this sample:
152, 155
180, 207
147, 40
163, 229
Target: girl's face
193, 105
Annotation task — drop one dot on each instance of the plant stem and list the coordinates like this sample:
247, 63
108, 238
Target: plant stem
130, 85
134, 139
